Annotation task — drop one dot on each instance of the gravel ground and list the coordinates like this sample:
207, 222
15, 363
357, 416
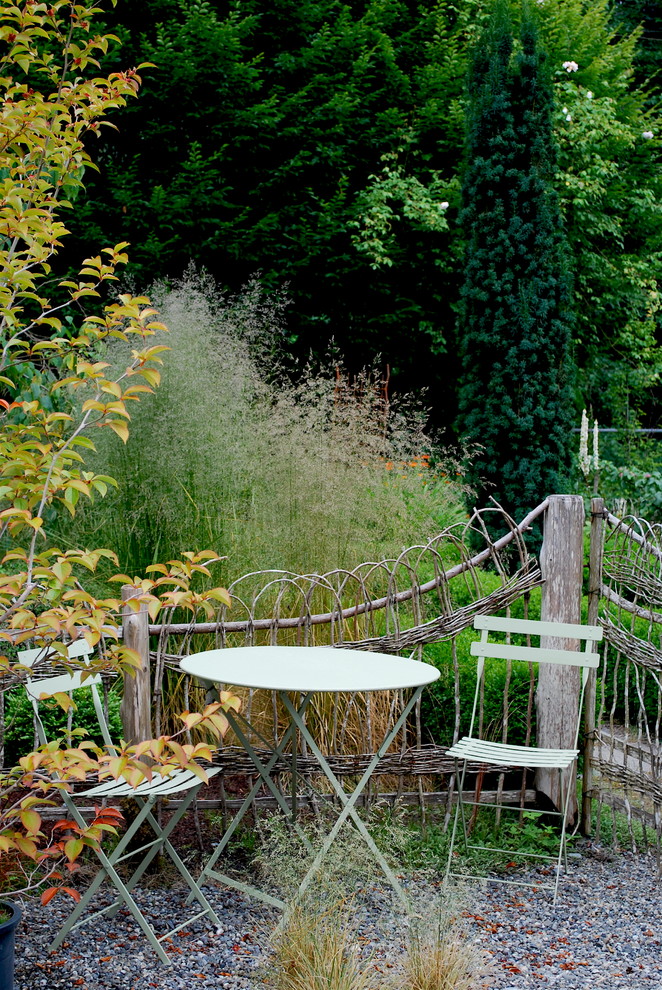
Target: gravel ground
605, 932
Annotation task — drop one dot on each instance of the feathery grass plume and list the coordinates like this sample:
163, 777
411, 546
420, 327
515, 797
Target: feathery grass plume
584, 459
349, 866
302, 474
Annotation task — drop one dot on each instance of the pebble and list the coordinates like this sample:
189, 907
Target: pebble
606, 932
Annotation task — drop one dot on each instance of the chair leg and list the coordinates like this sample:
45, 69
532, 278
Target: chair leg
108, 871
563, 856
195, 890
125, 895
459, 811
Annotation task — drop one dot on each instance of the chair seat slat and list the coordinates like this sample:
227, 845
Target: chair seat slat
484, 751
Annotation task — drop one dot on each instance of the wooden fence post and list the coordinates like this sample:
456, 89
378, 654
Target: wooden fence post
561, 563
136, 708
594, 591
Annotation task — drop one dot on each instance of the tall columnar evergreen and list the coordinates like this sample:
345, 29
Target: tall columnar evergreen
515, 398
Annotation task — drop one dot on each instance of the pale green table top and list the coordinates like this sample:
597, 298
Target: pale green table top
308, 668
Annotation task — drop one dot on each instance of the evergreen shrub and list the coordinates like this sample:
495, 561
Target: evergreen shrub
515, 397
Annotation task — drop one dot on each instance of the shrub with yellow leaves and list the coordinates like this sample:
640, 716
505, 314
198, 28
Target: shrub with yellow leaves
52, 336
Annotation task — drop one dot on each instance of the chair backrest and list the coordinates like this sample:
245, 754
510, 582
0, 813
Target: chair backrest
573, 632
44, 687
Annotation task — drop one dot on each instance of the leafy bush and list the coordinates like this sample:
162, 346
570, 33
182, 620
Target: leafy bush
19, 725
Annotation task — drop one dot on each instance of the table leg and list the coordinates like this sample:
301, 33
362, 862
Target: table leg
295, 743
348, 802
264, 771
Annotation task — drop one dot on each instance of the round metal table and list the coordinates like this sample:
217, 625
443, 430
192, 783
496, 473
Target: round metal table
305, 670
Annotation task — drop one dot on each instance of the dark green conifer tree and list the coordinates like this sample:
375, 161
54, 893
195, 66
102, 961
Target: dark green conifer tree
515, 399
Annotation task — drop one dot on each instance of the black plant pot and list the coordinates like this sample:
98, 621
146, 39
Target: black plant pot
7, 931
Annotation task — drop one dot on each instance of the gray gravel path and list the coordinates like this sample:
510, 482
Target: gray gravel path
606, 932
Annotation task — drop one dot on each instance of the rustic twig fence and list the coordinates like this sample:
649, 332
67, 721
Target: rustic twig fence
623, 745
424, 601
428, 595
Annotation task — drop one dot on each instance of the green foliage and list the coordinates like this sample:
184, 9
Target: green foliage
19, 724
514, 394
315, 142
305, 472
288, 116
647, 16
610, 187
618, 830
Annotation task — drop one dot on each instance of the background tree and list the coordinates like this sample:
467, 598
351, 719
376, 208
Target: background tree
50, 350
515, 330
316, 142
610, 185
258, 144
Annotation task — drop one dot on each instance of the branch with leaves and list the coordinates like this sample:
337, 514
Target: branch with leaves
57, 391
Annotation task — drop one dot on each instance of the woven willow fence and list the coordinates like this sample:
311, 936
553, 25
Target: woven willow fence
626, 749
427, 595
422, 603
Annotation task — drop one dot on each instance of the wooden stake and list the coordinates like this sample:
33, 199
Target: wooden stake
136, 708
557, 697
594, 588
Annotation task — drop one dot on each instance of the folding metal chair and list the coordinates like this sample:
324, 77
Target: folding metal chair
488, 753
145, 796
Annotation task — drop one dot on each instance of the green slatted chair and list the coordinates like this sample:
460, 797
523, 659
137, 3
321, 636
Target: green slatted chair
482, 751
145, 796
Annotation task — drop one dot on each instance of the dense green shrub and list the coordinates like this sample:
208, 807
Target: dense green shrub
19, 730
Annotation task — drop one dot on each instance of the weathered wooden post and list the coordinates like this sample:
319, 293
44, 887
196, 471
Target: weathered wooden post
594, 591
557, 698
136, 707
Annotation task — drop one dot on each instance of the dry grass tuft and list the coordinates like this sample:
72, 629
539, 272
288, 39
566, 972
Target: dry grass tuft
314, 951
440, 955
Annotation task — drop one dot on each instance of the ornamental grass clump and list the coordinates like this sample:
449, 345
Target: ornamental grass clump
349, 867
302, 469
316, 951
439, 955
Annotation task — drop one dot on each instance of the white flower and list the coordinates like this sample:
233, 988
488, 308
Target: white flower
443, 206
648, 135
584, 459
565, 110
568, 117
570, 66
589, 94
